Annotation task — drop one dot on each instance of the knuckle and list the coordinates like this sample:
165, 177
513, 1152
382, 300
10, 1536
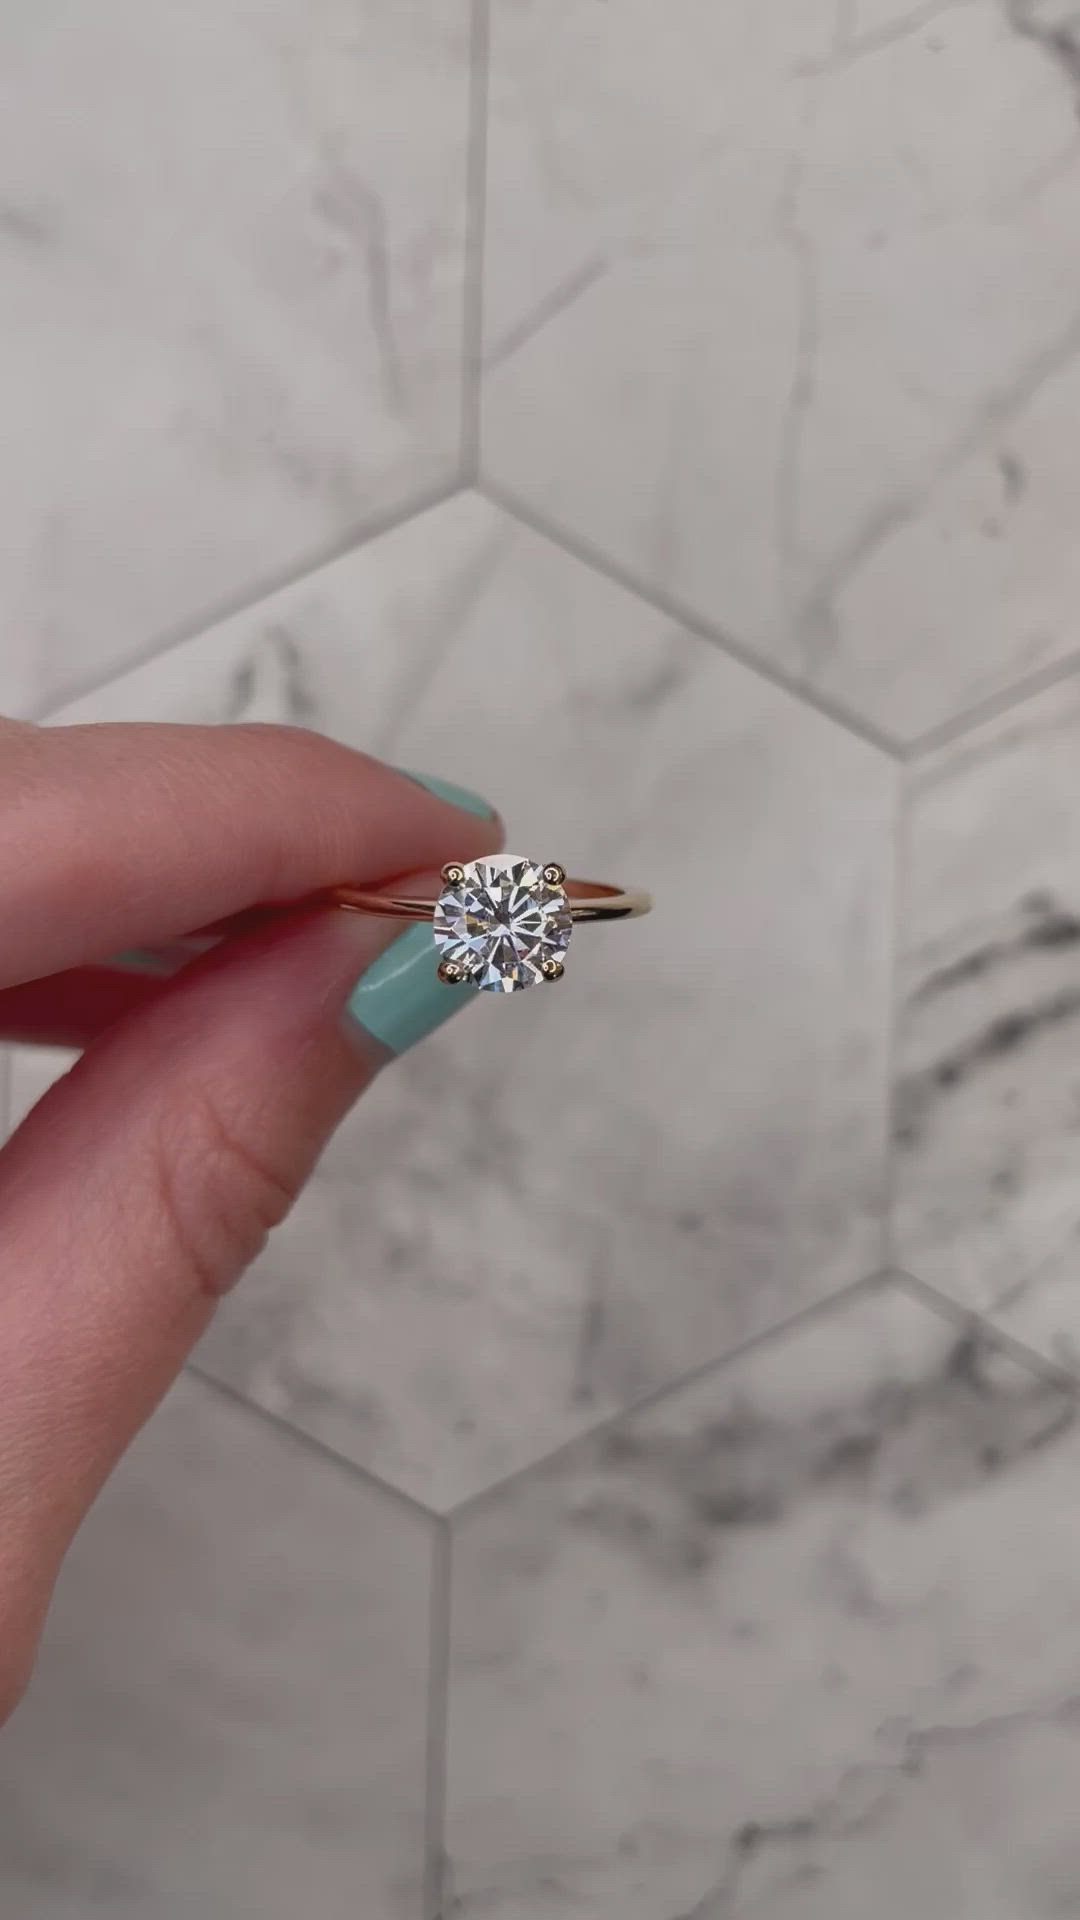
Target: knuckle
287, 749
290, 758
220, 1196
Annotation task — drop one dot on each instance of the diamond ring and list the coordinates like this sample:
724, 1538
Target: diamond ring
502, 923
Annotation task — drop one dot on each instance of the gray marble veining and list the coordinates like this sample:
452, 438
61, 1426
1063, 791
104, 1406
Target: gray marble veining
988, 1104
802, 1640
783, 314
231, 249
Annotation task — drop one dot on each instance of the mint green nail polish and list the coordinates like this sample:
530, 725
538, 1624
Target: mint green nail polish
401, 998
160, 962
137, 960
454, 795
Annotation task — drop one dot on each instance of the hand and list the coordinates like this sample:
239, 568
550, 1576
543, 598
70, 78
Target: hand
145, 1182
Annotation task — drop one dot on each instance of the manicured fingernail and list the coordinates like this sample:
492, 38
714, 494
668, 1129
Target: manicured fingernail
400, 998
454, 795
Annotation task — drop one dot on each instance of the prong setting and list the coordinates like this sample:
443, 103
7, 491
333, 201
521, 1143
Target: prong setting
554, 874
501, 923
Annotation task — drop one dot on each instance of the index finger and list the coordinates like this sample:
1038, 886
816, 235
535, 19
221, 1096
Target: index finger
130, 835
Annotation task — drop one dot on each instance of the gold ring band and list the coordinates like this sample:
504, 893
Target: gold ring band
587, 900
499, 924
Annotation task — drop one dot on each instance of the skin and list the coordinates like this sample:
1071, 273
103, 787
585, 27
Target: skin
143, 1185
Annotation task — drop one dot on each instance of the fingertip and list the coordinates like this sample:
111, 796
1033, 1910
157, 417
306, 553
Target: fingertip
455, 796
400, 999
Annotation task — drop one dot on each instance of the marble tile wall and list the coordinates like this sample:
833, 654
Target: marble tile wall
781, 318
637, 1483
231, 245
191, 1744
767, 1647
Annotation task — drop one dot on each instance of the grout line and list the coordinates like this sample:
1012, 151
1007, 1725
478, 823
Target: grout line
309, 1443
438, 1724
251, 596
817, 1309
895, 1010
1042, 680
685, 616
889, 1276
967, 1317
476, 166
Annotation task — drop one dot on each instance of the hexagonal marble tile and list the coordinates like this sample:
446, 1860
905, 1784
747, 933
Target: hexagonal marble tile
988, 1109
568, 1198
229, 1715
231, 240
783, 316
767, 1648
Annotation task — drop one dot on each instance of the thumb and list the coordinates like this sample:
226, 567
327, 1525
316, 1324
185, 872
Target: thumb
137, 1192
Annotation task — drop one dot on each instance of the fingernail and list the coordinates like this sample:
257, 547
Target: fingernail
455, 796
400, 998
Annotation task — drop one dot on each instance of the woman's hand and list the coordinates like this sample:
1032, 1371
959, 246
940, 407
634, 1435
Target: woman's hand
146, 1181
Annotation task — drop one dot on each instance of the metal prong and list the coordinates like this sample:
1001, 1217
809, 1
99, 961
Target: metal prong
453, 873
450, 973
553, 969
555, 875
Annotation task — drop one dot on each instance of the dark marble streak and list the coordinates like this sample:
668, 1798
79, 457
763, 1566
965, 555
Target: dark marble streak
669, 1500
767, 1631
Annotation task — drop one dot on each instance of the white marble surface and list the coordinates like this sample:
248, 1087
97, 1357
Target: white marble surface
803, 1640
527, 1227
781, 310
229, 1716
231, 241
781, 322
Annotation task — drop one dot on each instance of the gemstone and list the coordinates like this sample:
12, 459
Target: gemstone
503, 923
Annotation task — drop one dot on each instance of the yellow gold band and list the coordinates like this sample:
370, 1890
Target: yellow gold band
587, 900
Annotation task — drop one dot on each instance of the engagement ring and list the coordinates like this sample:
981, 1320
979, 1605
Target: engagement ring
502, 923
